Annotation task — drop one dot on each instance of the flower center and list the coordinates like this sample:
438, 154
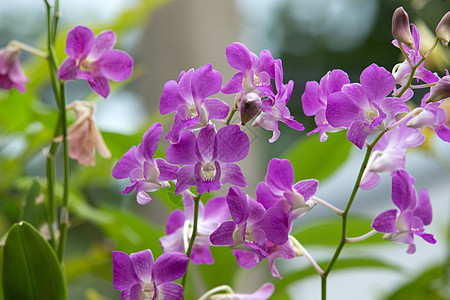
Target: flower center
85, 65
371, 115
147, 291
192, 111
208, 171
256, 80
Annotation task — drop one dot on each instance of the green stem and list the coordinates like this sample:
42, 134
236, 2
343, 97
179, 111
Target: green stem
56, 17
414, 68
192, 239
60, 97
53, 64
345, 216
232, 112
50, 163
64, 218
50, 171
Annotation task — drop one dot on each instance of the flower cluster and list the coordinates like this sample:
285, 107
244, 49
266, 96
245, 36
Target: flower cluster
378, 105
205, 151
205, 156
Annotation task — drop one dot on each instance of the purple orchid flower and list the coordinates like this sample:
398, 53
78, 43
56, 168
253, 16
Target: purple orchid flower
179, 228
188, 98
138, 277
249, 260
314, 100
255, 73
146, 174
279, 190
414, 213
11, 73
403, 70
389, 153
209, 159
365, 108
274, 108
251, 226
432, 116
94, 59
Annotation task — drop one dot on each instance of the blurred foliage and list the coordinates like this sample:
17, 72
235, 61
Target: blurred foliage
307, 154
429, 285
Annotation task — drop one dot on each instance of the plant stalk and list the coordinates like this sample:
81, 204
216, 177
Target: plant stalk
192, 239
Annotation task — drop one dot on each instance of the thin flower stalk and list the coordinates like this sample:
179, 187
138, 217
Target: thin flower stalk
362, 237
327, 205
414, 68
227, 289
306, 254
345, 216
192, 239
29, 49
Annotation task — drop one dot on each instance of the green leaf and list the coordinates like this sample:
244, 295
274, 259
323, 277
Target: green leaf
428, 285
30, 267
314, 159
327, 232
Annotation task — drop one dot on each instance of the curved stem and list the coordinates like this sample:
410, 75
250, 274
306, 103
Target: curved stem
208, 294
230, 116
361, 237
414, 68
192, 239
327, 205
28, 49
345, 215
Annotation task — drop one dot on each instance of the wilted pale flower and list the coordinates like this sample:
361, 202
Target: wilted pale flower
84, 136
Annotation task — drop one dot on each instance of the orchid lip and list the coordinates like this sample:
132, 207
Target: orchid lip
208, 171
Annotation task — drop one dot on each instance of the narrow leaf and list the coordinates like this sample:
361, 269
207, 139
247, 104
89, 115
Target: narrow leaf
29, 210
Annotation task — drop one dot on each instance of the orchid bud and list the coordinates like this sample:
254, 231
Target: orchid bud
401, 29
441, 90
250, 107
443, 29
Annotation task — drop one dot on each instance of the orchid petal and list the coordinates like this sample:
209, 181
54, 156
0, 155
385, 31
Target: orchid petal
79, 42
143, 264
116, 65
169, 267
